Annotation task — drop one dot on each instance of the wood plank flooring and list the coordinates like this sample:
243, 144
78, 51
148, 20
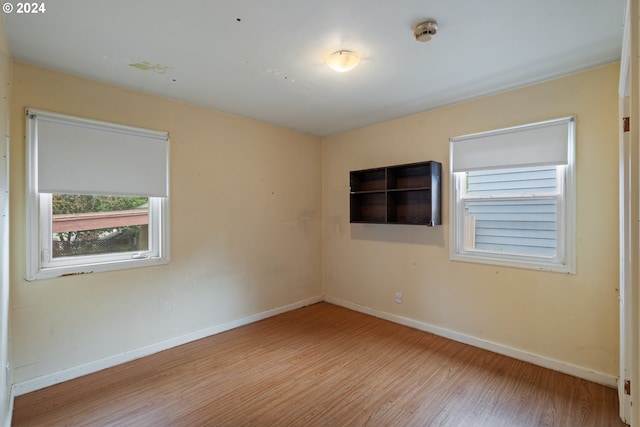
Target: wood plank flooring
322, 365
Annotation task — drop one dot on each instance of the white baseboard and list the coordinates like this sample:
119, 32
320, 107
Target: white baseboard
38, 383
535, 359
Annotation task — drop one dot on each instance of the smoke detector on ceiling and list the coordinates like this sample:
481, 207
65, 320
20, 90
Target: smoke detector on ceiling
425, 30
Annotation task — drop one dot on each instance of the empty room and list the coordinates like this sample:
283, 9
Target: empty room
327, 213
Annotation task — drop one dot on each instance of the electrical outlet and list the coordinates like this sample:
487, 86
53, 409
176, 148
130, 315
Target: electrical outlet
399, 297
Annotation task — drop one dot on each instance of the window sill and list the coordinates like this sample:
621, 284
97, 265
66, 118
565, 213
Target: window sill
96, 267
487, 259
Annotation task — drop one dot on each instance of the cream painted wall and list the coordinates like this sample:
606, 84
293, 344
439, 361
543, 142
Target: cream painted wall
5, 80
570, 318
245, 230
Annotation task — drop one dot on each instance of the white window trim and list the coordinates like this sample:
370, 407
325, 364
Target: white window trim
565, 260
39, 262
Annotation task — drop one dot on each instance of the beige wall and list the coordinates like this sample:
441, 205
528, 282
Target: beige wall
245, 230
569, 318
5, 80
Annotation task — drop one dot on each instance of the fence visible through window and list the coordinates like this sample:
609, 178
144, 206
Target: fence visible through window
127, 240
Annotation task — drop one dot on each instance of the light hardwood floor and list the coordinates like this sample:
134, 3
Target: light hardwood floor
322, 365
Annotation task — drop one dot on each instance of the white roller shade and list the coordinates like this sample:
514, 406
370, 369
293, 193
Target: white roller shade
80, 156
537, 144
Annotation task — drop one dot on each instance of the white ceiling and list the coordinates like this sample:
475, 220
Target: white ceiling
264, 59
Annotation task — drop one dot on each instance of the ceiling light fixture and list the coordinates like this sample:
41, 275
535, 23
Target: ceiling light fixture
425, 30
343, 60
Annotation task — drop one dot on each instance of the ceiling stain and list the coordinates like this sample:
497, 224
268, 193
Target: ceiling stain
277, 72
148, 66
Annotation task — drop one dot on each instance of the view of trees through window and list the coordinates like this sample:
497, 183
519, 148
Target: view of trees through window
88, 224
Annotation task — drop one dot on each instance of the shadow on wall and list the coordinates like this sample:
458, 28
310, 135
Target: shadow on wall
412, 234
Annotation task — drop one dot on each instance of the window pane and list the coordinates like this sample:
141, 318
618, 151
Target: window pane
518, 181
89, 225
512, 226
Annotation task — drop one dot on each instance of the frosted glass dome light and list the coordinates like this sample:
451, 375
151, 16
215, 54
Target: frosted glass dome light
343, 60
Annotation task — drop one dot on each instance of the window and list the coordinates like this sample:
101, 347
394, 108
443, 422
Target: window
83, 224
97, 196
513, 197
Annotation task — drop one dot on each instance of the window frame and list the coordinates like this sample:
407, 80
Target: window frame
565, 259
40, 263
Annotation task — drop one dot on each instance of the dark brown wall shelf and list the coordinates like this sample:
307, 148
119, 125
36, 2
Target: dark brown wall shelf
401, 194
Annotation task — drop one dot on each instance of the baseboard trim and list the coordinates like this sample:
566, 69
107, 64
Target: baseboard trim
38, 383
533, 358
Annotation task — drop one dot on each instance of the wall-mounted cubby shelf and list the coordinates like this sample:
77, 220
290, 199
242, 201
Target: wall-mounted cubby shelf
401, 194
